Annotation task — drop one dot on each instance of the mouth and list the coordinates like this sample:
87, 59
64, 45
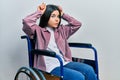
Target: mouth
56, 23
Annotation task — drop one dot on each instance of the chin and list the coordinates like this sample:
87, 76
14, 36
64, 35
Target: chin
55, 26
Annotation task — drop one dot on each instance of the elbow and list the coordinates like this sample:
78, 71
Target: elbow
24, 20
79, 24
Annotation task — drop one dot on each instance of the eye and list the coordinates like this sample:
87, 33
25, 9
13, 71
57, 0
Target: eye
53, 15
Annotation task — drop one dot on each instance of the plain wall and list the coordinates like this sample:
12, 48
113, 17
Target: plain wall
100, 19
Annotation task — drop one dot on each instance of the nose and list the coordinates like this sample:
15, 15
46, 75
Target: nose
57, 19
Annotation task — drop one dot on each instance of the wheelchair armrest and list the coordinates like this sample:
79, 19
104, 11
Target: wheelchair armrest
51, 54
82, 45
89, 46
23, 37
43, 52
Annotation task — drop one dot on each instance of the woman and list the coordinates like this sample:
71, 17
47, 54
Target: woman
51, 35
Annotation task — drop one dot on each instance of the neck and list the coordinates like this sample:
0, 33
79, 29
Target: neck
49, 28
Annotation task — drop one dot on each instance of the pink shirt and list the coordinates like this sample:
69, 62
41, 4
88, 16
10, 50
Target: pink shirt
62, 33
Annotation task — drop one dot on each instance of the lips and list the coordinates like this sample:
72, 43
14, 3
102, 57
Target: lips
56, 23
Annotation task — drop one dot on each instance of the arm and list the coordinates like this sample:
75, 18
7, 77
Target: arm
29, 22
72, 26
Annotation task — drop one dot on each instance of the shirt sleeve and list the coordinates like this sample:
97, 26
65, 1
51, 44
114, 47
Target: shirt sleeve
72, 26
29, 23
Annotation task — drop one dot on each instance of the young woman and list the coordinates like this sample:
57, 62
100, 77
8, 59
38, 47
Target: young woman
51, 35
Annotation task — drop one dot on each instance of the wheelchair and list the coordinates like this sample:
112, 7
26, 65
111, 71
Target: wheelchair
25, 73
36, 74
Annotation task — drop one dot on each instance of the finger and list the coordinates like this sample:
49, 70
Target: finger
43, 6
60, 8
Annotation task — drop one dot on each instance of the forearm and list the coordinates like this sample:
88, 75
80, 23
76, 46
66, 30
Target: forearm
71, 20
32, 18
29, 23
72, 26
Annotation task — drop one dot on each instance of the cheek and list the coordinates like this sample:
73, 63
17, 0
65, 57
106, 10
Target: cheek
50, 22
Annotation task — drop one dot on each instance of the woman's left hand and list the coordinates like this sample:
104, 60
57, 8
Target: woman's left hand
61, 10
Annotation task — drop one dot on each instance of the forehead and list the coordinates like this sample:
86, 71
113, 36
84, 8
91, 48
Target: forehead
56, 12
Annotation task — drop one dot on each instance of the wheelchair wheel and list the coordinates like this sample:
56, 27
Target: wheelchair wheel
25, 73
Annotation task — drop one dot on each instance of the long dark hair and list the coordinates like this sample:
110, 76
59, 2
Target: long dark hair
45, 17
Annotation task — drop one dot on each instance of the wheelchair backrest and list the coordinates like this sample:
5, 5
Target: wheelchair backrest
30, 45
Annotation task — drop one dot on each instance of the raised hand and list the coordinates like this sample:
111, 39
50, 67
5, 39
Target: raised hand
61, 10
42, 7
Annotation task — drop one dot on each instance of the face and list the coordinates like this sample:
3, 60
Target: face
54, 19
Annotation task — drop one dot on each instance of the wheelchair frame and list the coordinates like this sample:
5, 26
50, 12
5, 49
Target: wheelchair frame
32, 51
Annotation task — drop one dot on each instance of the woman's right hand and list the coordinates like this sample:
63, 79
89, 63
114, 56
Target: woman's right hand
42, 7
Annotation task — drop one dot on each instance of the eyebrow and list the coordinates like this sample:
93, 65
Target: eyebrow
55, 14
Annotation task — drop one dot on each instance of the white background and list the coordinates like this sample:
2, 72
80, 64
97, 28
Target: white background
100, 27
